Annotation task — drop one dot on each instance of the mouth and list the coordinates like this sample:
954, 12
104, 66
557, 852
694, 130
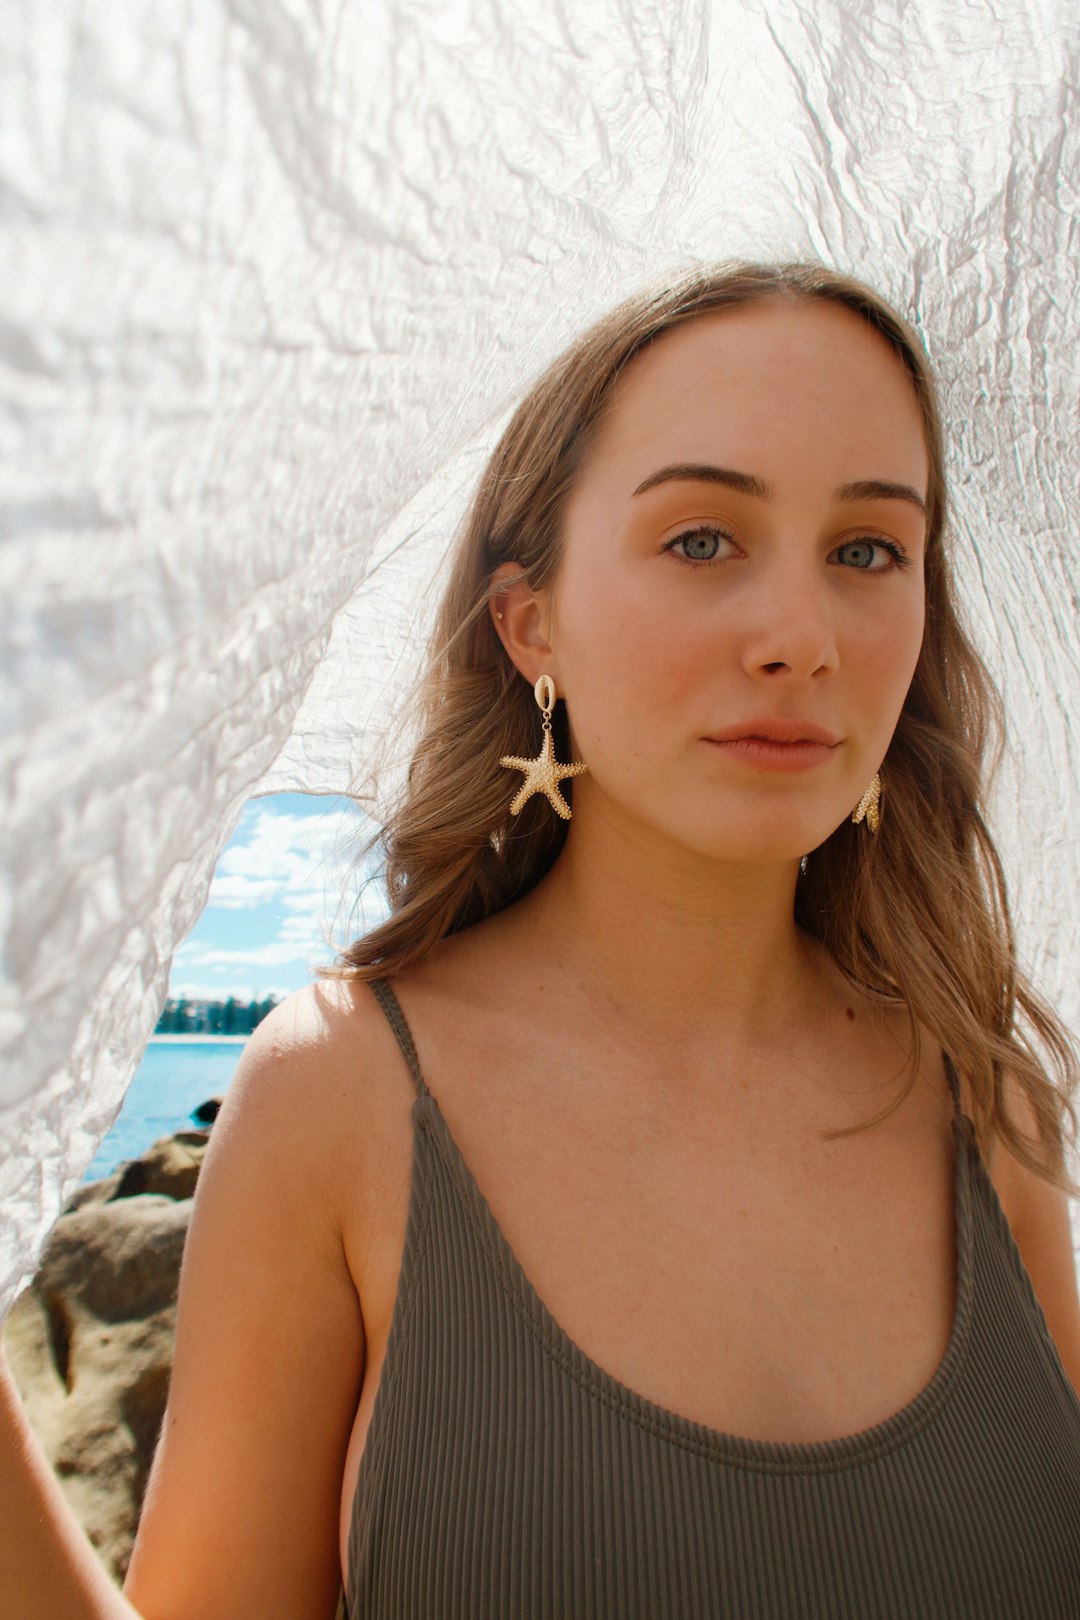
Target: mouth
776, 745
777, 731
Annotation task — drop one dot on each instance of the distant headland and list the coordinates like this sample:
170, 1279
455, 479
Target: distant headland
232, 1017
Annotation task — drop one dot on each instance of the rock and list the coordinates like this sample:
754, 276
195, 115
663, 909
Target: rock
90, 1340
171, 1167
94, 1192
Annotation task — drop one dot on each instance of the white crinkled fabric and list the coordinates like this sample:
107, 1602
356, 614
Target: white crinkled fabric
274, 275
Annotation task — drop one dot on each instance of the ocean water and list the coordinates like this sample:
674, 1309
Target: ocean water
173, 1078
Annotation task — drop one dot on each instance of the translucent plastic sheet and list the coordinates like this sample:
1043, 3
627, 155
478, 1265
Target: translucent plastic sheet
273, 272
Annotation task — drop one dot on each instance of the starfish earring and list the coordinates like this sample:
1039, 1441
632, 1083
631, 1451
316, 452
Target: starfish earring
544, 773
869, 805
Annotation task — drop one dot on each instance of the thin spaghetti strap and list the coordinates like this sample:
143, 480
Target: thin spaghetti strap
954, 1085
396, 1018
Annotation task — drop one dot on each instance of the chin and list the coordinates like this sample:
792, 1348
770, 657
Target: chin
749, 846
721, 827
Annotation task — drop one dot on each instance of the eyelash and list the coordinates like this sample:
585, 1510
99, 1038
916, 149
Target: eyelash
900, 558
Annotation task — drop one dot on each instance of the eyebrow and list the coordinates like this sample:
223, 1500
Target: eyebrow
863, 489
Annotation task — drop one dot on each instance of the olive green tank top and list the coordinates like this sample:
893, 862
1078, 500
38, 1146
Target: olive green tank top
505, 1476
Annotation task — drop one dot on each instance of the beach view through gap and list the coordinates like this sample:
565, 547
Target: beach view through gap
276, 895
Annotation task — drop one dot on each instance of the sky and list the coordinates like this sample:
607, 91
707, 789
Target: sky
287, 877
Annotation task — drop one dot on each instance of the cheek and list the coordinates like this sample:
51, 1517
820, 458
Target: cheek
888, 651
628, 658
876, 668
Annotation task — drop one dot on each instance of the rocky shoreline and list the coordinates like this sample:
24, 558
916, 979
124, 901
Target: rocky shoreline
90, 1339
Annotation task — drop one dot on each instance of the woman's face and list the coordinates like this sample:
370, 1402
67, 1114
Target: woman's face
744, 547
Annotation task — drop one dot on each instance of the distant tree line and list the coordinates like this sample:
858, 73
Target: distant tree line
231, 1017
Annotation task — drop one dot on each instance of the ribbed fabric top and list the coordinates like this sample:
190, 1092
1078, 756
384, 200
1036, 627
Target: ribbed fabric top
505, 1476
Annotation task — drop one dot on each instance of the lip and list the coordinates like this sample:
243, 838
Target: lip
777, 731
773, 756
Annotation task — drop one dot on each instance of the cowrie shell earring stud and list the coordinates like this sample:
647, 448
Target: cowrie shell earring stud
544, 773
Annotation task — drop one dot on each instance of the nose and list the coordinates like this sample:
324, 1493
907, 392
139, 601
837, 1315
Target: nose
789, 628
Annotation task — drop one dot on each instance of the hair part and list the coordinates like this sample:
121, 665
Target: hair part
917, 914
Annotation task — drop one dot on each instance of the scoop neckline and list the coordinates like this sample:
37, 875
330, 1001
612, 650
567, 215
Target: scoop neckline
741, 1451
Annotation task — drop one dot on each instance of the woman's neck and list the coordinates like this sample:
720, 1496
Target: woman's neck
665, 940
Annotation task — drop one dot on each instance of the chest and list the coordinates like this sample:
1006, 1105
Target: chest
760, 1281
784, 1289
752, 1278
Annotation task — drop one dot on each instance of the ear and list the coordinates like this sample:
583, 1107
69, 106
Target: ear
524, 628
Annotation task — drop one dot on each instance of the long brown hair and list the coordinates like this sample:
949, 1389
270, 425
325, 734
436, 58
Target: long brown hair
917, 914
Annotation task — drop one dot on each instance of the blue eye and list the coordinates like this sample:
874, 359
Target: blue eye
861, 554
702, 545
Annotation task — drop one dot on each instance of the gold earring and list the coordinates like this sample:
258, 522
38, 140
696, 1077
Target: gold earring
544, 773
869, 805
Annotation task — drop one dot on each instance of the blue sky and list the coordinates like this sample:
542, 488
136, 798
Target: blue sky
287, 875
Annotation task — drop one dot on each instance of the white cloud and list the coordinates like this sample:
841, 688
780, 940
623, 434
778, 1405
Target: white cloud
283, 858
300, 871
301, 864
234, 892
271, 955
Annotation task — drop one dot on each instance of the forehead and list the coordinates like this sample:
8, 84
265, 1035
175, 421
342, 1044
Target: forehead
772, 388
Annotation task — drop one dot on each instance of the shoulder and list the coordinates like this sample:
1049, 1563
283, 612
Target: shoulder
1037, 1213
312, 1025
1024, 1195
1039, 1219
312, 1040
312, 1086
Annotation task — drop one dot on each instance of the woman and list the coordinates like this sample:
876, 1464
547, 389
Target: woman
724, 1268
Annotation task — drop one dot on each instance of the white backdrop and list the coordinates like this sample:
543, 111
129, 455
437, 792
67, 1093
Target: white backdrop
273, 274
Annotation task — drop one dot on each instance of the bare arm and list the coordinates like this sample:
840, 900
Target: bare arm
47, 1566
241, 1512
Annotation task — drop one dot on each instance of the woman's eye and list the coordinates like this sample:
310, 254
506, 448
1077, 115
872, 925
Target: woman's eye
861, 554
868, 554
701, 545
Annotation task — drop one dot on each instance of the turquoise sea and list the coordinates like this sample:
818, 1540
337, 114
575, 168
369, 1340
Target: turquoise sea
173, 1078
